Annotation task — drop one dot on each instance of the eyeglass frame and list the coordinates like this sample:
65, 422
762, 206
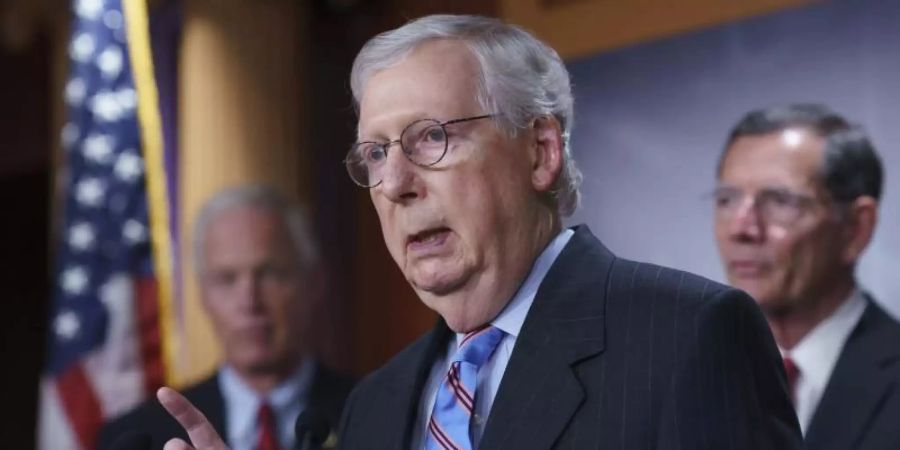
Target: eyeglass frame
799, 202
385, 145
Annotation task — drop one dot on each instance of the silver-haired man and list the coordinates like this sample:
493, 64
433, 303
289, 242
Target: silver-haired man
258, 271
546, 339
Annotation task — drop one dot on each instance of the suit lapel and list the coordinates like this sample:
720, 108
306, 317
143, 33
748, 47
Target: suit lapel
540, 390
403, 393
209, 399
859, 381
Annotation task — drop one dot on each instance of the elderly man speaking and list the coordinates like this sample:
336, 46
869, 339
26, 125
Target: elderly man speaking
547, 339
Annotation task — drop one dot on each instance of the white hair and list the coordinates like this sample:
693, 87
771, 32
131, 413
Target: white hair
267, 199
520, 78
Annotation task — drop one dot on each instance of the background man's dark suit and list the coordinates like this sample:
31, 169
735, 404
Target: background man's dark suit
327, 394
613, 354
860, 409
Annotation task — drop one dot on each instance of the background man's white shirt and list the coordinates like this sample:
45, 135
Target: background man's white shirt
287, 400
817, 353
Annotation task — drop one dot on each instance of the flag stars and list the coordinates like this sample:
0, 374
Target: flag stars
75, 91
129, 166
110, 62
98, 148
109, 106
82, 48
105, 106
127, 98
66, 325
69, 134
74, 280
82, 236
89, 9
90, 192
112, 19
134, 232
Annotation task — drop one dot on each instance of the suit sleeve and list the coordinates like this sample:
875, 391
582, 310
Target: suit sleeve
108, 434
345, 430
729, 390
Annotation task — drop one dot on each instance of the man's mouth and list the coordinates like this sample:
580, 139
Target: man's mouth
747, 268
431, 238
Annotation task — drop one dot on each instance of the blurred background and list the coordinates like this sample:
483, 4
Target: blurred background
232, 91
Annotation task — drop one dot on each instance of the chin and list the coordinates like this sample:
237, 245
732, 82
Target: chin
266, 365
436, 283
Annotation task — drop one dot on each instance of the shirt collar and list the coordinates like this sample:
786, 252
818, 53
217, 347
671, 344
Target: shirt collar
511, 319
242, 402
816, 354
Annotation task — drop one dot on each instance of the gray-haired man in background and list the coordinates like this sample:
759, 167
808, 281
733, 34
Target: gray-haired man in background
796, 206
259, 277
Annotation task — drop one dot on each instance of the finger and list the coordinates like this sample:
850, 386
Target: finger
177, 444
201, 432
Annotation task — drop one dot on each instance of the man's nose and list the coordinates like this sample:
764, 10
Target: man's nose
249, 293
400, 180
746, 221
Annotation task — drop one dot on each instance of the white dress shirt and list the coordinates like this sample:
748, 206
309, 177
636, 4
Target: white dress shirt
287, 400
510, 320
817, 353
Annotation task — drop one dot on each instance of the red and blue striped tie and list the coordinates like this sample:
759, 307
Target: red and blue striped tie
448, 427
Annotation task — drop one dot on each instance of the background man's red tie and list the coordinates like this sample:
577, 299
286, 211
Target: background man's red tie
792, 373
268, 437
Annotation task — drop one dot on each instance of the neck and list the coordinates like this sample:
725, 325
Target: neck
264, 381
487, 294
791, 326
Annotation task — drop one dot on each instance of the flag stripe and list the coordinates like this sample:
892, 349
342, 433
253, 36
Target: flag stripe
81, 405
148, 330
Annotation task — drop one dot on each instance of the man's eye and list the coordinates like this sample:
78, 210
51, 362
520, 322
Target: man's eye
434, 135
223, 278
778, 198
723, 199
374, 153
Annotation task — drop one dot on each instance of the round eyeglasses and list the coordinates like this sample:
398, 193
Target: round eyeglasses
777, 206
424, 142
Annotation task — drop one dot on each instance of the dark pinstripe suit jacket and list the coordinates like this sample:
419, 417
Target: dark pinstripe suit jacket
613, 354
860, 408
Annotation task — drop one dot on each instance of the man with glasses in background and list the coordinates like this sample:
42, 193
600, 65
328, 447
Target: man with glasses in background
795, 207
546, 339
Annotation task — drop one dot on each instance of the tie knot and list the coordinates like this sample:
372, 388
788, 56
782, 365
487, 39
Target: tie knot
792, 372
477, 346
264, 415
790, 369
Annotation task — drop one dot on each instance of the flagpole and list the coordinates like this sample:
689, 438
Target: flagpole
138, 36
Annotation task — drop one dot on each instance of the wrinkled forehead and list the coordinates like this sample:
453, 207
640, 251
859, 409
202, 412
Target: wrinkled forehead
437, 80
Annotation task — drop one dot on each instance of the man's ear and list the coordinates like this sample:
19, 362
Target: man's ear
548, 153
863, 216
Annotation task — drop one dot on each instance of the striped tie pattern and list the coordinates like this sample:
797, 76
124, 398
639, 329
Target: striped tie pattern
448, 427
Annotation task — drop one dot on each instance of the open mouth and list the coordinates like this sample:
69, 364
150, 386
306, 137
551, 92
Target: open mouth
430, 238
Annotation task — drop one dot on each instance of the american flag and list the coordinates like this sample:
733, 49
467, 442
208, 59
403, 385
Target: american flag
103, 344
